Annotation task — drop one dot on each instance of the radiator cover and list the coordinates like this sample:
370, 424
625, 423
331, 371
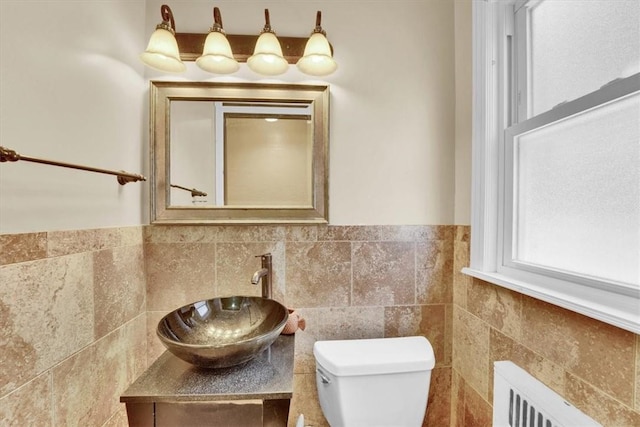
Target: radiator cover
520, 400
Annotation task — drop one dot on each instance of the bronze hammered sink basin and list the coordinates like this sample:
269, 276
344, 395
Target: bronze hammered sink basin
222, 332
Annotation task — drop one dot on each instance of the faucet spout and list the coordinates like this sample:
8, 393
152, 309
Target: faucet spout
265, 274
258, 275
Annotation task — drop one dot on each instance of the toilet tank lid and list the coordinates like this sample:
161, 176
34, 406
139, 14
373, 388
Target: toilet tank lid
375, 356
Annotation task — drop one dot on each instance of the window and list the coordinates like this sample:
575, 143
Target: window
556, 156
571, 48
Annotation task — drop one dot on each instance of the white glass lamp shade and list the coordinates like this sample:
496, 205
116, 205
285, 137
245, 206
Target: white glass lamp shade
217, 56
317, 59
162, 52
267, 56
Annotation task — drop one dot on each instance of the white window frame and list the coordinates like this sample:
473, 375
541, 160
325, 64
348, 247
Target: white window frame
493, 30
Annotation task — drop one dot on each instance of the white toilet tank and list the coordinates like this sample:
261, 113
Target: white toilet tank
374, 382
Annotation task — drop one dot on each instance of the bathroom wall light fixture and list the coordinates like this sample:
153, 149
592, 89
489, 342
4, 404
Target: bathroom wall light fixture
267, 56
217, 56
318, 58
220, 53
162, 51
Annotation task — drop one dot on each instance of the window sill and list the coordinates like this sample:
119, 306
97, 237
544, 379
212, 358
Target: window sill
622, 311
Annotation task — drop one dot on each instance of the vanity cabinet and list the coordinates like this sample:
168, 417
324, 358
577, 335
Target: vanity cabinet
173, 392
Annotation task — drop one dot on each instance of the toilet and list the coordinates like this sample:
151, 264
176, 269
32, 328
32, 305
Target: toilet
374, 382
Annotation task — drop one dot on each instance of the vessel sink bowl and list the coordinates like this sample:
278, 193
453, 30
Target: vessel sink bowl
222, 332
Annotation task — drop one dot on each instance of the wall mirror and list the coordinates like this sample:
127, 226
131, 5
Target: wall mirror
239, 152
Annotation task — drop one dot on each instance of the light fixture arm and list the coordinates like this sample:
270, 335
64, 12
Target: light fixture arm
267, 23
217, 21
168, 22
318, 53
318, 28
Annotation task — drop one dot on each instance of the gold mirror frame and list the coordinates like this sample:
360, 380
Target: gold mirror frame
161, 95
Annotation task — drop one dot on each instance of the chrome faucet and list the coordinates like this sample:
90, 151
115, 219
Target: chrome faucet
265, 274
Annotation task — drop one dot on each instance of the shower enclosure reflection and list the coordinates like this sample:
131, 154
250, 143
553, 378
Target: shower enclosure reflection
240, 154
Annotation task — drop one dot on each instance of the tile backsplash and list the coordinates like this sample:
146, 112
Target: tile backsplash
347, 281
78, 311
73, 325
595, 366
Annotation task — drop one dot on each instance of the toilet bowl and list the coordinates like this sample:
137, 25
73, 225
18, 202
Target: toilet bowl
374, 382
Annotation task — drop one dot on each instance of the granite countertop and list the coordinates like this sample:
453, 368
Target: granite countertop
170, 379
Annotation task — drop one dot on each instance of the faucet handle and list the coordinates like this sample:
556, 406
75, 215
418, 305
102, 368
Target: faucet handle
267, 255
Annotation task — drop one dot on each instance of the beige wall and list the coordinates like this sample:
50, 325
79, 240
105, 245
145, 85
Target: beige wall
75, 94
82, 99
392, 138
594, 366
463, 85
73, 322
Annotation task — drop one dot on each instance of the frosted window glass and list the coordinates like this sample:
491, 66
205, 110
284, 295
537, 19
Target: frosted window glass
579, 45
577, 193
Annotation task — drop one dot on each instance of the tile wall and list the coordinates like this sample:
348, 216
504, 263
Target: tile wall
595, 366
347, 281
72, 325
77, 325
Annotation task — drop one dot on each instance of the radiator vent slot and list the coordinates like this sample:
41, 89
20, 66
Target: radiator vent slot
520, 400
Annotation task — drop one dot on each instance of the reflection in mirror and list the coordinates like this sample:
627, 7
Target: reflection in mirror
192, 152
228, 152
267, 161
241, 154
